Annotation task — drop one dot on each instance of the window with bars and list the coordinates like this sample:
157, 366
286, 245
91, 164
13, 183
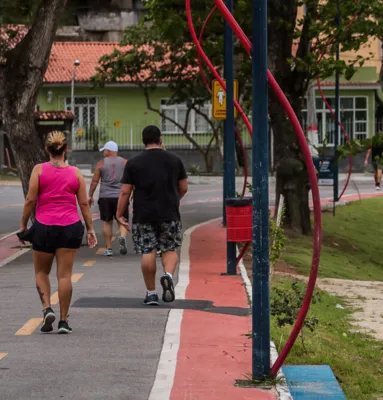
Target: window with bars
353, 116
197, 124
85, 111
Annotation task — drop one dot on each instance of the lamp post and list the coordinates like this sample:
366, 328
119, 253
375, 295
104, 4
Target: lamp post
76, 63
337, 108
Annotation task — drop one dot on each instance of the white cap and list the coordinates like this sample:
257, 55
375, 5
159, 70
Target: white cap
111, 146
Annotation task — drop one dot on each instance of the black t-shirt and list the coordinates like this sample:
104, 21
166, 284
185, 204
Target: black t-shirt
155, 174
377, 153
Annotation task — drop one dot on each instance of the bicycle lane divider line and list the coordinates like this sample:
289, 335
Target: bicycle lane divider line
89, 263
29, 327
76, 277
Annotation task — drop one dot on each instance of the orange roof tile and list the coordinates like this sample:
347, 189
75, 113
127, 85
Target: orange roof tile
64, 54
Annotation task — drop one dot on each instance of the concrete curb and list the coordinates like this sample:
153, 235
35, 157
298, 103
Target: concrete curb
282, 389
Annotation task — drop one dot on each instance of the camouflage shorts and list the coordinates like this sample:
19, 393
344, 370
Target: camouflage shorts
164, 236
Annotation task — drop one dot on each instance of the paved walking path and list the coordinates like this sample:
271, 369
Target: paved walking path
193, 349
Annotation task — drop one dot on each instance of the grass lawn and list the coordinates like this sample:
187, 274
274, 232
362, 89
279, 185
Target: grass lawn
352, 243
352, 249
356, 359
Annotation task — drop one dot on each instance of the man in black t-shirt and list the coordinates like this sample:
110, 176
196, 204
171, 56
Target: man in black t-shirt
159, 180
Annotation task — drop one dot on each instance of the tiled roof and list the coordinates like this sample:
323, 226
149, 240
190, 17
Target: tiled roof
53, 115
64, 54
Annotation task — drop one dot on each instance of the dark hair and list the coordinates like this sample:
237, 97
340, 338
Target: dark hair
56, 143
151, 135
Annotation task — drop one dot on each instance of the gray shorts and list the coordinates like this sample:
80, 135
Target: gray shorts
164, 236
377, 165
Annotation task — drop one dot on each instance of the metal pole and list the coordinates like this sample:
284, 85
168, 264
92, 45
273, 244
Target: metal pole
337, 109
74, 118
261, 301
229, 135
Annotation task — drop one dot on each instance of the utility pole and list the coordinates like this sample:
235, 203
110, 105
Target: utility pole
337, 110
229, 136
260, 150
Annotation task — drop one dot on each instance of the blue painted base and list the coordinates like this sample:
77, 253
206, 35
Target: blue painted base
312, 382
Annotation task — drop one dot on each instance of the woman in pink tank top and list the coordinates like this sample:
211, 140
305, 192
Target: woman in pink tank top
56, 188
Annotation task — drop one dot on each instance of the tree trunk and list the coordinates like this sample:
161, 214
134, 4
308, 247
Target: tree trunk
27, 149
209, 161
21, 76
291, 173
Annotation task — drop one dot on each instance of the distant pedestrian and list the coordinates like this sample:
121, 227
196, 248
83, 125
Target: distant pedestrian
109, 171
376, 150
159, 180
58, 230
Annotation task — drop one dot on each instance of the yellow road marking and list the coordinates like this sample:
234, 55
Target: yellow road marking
89, 263
101, 250
55, 298
29, 327
3, 355
189, 212
76, 277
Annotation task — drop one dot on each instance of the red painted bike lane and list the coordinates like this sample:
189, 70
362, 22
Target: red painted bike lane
214, 351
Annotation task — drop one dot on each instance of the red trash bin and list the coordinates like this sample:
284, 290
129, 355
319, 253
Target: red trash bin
239, 221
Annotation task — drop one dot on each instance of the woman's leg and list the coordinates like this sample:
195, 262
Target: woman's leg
65, 260
43, 265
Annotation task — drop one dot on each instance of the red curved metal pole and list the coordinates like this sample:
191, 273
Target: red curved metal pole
309, 165
206, 83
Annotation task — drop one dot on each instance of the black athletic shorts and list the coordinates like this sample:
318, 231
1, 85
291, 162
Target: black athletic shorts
49, 238
108, 209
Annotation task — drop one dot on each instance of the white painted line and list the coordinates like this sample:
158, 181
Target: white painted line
8, 235
13, 257
166, 368
282, 389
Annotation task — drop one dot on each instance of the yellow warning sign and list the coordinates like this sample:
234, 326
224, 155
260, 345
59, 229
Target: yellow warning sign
219, 100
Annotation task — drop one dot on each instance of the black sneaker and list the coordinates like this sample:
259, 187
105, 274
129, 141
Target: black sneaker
123, 247
167, 284
151, 300
64, 328
49, 318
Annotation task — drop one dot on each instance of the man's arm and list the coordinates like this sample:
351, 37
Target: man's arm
95, 181
182, 180
367, 156
123, 202
182, 187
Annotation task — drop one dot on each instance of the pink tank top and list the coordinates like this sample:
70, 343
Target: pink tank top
56, 202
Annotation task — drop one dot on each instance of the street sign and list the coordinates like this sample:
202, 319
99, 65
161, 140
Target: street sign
325, 170
219, 100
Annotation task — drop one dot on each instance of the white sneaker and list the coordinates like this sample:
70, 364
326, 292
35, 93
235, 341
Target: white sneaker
377, 187
108, 253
